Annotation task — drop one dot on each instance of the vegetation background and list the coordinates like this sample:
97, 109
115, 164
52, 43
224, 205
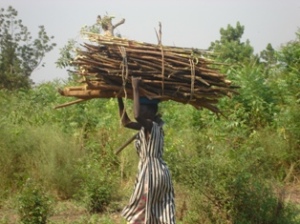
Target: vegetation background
59, 166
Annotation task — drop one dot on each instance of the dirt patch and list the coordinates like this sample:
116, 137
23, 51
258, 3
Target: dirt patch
292, 194
8, 216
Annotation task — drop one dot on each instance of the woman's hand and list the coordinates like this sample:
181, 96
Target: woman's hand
126, 122
136, 81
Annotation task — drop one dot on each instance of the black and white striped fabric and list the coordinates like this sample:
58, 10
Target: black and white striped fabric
152, 201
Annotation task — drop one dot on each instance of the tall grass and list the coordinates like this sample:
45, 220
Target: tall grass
42, 153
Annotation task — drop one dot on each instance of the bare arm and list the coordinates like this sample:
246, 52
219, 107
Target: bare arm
126, 122
136, 103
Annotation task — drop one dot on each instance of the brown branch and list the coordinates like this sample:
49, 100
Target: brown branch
125, 144
119, 23
70, 103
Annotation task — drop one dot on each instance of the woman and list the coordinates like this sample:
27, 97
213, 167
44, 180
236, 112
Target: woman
152, 201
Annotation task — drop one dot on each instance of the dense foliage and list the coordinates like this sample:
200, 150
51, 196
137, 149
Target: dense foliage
232, 169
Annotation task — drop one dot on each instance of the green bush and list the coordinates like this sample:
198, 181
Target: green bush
34, 206
236, 186
99, 179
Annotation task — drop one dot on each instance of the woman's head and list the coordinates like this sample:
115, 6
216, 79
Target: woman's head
148, 108
149, 111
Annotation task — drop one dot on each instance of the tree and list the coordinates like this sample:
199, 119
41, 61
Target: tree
289, 54
230, 47
102, 25
269, 55
287, 79
20, 54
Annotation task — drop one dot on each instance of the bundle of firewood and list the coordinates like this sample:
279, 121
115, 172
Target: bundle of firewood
184, 75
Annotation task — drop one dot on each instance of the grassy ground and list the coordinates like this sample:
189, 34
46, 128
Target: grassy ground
68, 211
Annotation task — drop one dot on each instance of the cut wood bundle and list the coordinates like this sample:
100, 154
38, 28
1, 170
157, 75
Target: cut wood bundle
168, 73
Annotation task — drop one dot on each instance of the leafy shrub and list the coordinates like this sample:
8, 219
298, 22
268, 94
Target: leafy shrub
254, 201
231, 173
34, 206
99, 181
255, 95
98, 194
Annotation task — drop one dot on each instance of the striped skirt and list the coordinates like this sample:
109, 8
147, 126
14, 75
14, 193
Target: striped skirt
152, 201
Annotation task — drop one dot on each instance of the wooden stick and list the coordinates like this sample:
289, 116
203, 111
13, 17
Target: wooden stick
70, 103
125, 144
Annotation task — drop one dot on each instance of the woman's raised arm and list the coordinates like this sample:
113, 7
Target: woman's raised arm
126, 122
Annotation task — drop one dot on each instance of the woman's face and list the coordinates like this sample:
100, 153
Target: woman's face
147, 112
